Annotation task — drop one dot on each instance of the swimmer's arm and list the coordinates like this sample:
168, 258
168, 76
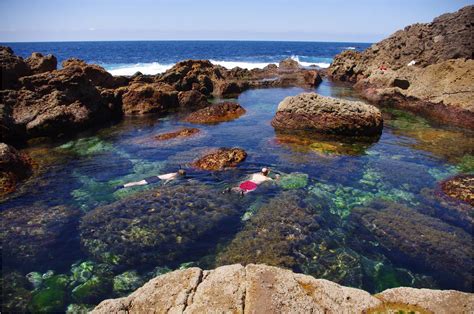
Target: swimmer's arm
168, 176
142, 182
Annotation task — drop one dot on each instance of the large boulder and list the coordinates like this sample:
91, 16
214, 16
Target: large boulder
221, 112
39, 63
266, 289
143, 98
221, 159
310, 111
14, 166
425, 68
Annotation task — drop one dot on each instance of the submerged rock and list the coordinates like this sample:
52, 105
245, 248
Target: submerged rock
14, 167
310, 111
266, 289
16, 294
410, 238
221, 159
157, 226
294, 180
185, 132
460, 187
36, 234
222, 112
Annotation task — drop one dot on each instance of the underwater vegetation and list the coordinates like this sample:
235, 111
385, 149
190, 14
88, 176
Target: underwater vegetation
86, 146
417, 241
36, 234
156, 226
294, 180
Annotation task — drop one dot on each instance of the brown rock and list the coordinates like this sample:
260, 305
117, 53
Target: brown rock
185, 132
143, 98
14, 166
460, 187
221, 159
266, 289
192, 99
39, 63
288, 64
310, 111
12, 68
221, 112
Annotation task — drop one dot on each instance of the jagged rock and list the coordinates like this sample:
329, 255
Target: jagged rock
39, 63
460, 187
14, 166
143, 98
192, 99
221, 159
288, 64
221, 112
310, 111
266, 289
425, 68
185, 132
12, 68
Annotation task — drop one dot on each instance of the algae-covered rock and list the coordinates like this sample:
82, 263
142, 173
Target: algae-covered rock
156, 226
36, 234
92, 290
52, 297
417, 241
16, 294
78, 309
86, 146
221, 159
127, 282
294, 180
460, 187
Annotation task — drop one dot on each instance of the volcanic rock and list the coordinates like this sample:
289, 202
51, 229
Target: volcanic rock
310, 111
221, 159
12, 68
14, 166
143, 98
221, 112
266, 289
39, 63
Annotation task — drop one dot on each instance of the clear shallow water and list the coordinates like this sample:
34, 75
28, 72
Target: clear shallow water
151, 57
308, 222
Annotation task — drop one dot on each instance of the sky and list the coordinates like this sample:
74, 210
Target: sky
311, 20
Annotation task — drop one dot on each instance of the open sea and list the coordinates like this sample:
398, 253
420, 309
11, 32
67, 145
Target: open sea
364, 213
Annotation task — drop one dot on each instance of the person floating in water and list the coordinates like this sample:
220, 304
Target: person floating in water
167, 177
255, 180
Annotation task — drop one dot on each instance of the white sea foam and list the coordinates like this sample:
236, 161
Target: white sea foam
156, 68
144, 68
350, 48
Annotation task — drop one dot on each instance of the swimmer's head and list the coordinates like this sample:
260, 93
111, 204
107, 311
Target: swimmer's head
181, 172
265, 171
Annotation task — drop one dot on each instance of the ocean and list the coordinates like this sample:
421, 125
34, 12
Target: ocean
152, 57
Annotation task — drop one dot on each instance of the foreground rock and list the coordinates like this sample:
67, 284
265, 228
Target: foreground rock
266, 289
222, 112
221, 159
185, 132
426, 68
460, 188
14, 167
310, 111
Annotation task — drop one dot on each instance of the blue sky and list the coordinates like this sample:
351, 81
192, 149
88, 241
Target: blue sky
316, 20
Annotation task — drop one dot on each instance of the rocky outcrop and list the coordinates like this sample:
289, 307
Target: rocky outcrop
61, 101
460, 188
266, 289
426, 68
221, 112
12, 68
39, 63
310, 111
185, 132
14, 167
142, 98
221, 159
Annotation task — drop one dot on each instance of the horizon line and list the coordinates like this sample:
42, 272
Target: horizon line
175, 40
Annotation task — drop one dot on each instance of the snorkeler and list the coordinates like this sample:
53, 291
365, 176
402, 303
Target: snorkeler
167, 177
255, 180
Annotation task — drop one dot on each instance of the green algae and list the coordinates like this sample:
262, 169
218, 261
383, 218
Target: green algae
92, 290
52, 296
78, 309
81, 272
466, 164
87, 146
127, 282
405, 120
294, 180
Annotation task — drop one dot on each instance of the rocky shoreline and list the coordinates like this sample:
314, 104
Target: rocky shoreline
424, 68
258, 288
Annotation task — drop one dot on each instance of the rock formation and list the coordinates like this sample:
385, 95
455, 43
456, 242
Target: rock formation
426, 68
39, 63
14, 166
221, 159
221, 112
266, 289
310, 111
460, 187
185, 132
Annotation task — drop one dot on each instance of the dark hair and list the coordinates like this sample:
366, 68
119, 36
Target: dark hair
181, 172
